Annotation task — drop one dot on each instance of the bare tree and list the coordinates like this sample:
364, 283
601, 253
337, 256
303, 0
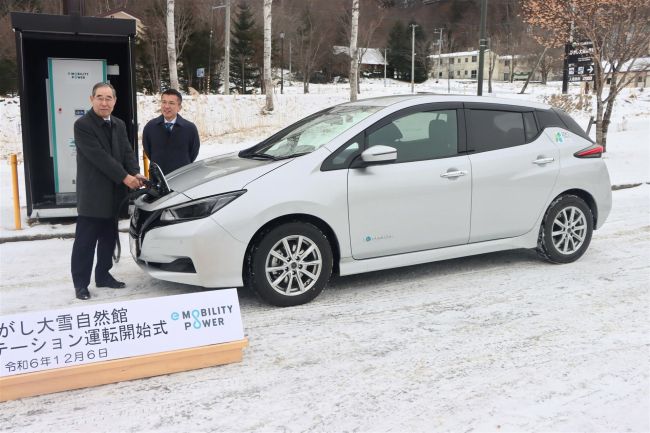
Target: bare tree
368, 32
493, 58
513, 29
620, 33
183, 28
550, 63
532, 71
354, 52
171, 46
153, 42
268, 82
309, 44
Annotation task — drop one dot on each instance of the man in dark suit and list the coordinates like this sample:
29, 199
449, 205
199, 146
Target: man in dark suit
106, 166
169, 140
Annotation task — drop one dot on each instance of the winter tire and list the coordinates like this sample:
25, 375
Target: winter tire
291, 264
566, 230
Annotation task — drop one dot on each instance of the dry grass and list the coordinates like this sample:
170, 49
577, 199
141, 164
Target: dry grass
571, 103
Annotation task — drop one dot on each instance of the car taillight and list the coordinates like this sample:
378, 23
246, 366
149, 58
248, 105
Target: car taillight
594, 151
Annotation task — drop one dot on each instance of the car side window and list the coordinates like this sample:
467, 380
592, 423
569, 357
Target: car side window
492, 130
343, 156
419, 136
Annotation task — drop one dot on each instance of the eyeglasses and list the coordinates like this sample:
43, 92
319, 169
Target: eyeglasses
105, 98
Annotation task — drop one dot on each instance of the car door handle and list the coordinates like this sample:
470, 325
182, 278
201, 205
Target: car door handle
542, 161
454, 174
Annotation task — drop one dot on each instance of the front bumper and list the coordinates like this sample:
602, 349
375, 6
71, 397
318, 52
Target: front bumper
213, 258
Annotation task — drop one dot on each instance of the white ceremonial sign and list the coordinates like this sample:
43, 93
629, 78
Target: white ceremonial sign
44, 340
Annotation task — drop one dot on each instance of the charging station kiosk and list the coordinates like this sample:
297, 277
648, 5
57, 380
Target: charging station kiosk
60, 58
67, 87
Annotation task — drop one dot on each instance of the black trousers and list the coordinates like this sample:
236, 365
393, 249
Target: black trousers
90, 233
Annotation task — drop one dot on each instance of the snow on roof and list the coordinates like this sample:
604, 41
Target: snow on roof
384, 101
119, 12
369, 56
457, 54
510, 56
634, 65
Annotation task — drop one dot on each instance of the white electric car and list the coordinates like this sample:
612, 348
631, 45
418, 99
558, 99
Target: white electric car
376, 184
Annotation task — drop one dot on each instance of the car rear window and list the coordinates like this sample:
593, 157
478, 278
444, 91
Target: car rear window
492, 130
548, 119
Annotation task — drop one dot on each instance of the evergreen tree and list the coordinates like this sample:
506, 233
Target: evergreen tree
399, 52
195, 55
8, 77
244, 70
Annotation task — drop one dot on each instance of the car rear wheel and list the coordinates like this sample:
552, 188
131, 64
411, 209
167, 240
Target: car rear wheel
291, 264
566, 230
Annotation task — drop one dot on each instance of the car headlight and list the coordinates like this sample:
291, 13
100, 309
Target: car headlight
198, 208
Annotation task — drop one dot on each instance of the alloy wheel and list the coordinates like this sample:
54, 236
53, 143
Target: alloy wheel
569, 230
293, 265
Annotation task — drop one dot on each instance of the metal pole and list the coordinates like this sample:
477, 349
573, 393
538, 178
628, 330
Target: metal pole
413, 26
226, 78
289, 58
440, 52
482, 42
565, 70
209, 52
13, 160
565, 73
449, 71
385, 62
282, 63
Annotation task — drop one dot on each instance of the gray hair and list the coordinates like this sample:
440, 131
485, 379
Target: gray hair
103, 84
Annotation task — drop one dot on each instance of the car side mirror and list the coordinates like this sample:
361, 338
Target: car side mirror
379, 154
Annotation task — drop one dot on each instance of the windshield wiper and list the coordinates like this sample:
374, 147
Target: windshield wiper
265, 156
294, 155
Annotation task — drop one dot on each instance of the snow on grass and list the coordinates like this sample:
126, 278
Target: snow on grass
500, 342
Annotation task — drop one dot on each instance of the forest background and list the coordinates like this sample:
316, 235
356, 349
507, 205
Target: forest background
309, 29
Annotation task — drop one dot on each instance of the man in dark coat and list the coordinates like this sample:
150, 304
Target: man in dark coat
169, 140
106, 166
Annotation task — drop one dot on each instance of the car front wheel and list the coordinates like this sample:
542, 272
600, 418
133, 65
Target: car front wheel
566, 230
291, 264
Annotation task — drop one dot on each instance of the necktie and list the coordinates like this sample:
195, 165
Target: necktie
168, 126
107, 123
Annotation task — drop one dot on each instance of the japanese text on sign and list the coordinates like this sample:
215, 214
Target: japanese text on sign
44, 340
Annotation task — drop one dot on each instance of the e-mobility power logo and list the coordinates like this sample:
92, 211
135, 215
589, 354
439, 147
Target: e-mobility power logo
197, 318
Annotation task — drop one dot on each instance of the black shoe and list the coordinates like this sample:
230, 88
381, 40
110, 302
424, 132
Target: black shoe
82, 294
111, 283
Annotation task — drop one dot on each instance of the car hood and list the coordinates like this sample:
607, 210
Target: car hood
218, 174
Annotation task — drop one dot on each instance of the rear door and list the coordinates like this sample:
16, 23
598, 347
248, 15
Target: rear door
514, 169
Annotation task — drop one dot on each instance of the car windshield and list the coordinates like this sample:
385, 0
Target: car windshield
312, 133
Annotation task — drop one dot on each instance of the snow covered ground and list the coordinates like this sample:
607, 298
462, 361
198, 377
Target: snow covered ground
500, 342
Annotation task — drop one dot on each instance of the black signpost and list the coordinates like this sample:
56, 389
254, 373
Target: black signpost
578, 63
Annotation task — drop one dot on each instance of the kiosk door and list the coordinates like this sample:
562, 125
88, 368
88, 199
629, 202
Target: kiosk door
69, 85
